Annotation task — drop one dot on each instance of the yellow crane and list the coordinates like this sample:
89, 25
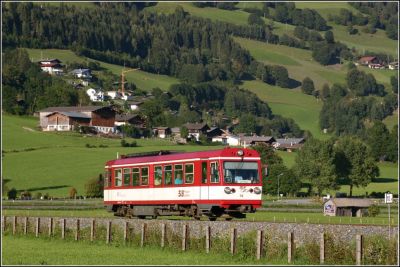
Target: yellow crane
123, 79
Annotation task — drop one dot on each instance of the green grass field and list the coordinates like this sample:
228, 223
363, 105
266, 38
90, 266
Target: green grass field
290, 103
57, 161
44, 251
143, 80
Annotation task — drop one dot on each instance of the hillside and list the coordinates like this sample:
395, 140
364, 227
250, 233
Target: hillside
54, 162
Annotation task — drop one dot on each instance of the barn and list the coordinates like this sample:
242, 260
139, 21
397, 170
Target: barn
352, 207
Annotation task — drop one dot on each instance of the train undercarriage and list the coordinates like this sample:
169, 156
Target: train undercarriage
195, 211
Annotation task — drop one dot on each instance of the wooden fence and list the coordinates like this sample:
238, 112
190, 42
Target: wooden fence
184, 237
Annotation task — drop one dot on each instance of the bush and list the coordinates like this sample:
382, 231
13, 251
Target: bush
373, 210
38, 195
12, 193
127, 144
94, 187
26, 195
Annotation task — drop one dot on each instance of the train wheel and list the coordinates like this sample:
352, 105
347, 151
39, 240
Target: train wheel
141, 216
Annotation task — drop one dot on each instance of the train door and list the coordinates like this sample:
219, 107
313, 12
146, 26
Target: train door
204, 180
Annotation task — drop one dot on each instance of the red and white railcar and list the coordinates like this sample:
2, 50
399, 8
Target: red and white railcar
217, 183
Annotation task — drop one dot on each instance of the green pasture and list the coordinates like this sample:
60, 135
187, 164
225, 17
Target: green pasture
53, 162
143, 80
44, 251
290, 103
392, 120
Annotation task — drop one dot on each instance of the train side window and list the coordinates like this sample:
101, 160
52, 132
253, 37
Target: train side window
168, 174
145, 176
135, 176
189, 171
178, 174
117, 177
214, 172
127, 177
204, 172
157, 175
107, 178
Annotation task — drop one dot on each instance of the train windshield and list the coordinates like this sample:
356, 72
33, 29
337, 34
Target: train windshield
241, 172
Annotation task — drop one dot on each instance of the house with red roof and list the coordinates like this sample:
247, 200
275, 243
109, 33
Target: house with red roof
51, 66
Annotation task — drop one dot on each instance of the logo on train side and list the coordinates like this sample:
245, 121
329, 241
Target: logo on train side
183, 193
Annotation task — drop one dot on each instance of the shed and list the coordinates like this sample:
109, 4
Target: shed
353, 207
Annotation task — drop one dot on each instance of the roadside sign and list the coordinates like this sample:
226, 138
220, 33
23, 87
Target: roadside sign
388, 198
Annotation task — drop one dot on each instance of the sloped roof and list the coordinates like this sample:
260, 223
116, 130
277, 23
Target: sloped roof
72, 114
125, 117
196, 126
289, 141
351, 202
73, 109
368, 58
256, 138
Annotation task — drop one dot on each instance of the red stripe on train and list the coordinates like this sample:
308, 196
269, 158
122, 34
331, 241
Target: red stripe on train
255, 203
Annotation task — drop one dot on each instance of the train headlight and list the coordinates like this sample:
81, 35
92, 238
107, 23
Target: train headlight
240, 153
257, 190
227, 190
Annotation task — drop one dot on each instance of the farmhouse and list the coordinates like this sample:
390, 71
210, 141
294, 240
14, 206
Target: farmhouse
288, 144
246, 141
162, 132
195, 129
365, 61
51, 66
102, 118
346, 207
82, 73
134, 105
227, 139
393, 65
130, 119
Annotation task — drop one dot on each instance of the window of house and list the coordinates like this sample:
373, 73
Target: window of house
214, 172
178, 174
157, 175
135, 176
127, 177
145, 176
189, 173
168, 174
118, 177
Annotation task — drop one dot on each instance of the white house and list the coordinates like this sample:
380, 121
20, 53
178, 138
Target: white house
227, 139
113, 94
134, 105
82, 73
51, 66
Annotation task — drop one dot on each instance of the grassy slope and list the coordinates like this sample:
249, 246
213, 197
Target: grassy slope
143, 80
34, 251
61, 160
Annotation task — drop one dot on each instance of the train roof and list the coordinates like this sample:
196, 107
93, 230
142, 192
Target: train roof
156, 156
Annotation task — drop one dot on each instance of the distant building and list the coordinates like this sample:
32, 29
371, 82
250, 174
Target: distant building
365, 61
246, 141
352, 207
376, 66
130, 119
288, 144
227, 139
102, 118
94, 95
196, 129
393, 65
162, 132
82, 73
51, 66
134, 105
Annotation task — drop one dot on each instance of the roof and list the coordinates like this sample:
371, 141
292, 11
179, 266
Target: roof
50, 60
125, 117
72, 114
226, 152
256, 138
161, 128
289, 141
135, 102
80, 70
368, 58
196, 126
175, 130
73, 109
351, 202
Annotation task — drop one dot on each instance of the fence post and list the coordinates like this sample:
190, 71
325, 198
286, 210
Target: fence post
260, 235
143, 234
322, 249
4, 223
92, 230
14, 225
108, 237
184, 237
208, 239
359, 241
37, 226
63, 225
77, 229
163, 232
50, 226
233, 240
126, 232
26, 226
290, 247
